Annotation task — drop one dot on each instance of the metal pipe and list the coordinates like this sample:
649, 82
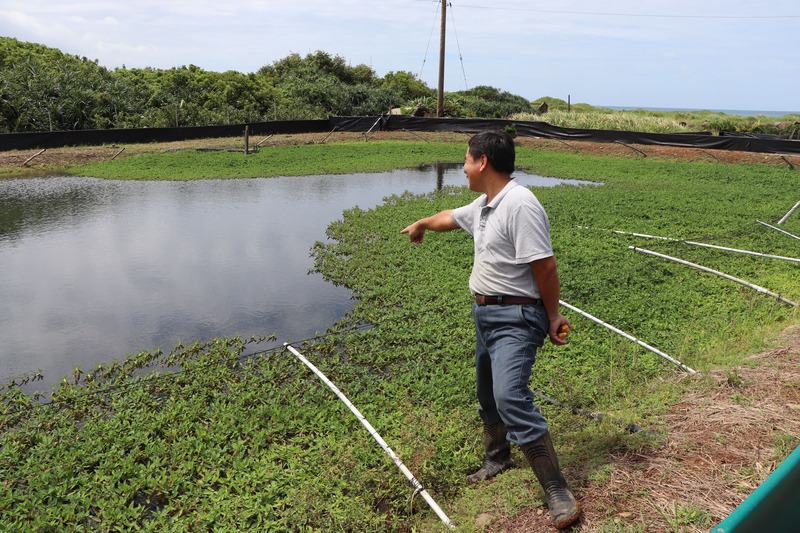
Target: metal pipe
627, 336
693, 243
794, 259
778, 229
417, 485
718, 273
634, 234
376, 123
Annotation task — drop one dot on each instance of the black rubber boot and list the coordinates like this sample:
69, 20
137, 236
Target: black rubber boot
564, 510
498, 453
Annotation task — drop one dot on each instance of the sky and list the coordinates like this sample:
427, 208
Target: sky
710, 54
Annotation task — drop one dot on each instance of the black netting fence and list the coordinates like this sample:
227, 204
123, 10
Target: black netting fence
723, 141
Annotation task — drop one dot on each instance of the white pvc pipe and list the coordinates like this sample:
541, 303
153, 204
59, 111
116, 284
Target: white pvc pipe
627, 336
787, 215
634, 234
644, 235
417, 485
778, 229
794, 259
718, 273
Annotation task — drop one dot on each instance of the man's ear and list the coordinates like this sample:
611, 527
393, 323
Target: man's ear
484, 162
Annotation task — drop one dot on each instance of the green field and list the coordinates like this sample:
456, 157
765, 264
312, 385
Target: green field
258, 443
294, 160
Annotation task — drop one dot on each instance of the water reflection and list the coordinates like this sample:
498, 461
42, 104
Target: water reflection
93, 269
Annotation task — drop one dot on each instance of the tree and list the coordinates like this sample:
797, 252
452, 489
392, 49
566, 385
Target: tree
320, 85
489, 102
407, 86
44, 89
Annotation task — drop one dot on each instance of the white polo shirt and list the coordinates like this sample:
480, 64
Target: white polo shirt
509, 233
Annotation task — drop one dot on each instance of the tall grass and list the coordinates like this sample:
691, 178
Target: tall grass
610, 120
641, 120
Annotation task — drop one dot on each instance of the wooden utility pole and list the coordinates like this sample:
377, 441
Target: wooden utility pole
440, 92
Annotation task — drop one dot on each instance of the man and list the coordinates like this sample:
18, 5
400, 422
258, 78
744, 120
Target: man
517, 290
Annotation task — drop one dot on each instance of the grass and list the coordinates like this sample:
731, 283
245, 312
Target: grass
642, 120
235, 442
295, 160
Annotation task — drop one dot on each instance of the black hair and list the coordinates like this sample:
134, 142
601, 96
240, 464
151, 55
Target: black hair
497, 146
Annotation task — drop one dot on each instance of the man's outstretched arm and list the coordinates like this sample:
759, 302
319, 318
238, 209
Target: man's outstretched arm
441, 221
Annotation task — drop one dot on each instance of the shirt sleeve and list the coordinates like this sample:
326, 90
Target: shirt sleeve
531, 233
465, 216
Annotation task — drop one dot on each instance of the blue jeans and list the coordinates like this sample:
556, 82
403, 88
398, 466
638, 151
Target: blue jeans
507, 337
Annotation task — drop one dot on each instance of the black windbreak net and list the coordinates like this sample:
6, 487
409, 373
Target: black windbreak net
58, 139
724, 141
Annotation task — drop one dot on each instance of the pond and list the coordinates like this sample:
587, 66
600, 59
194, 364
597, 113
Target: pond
93, 270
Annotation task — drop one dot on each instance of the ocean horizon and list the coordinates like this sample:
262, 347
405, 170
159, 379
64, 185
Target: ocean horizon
736, 112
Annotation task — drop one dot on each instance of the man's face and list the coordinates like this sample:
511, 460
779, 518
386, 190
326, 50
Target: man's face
472, 168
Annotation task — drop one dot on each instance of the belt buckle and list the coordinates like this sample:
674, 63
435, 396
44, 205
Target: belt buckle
483, 300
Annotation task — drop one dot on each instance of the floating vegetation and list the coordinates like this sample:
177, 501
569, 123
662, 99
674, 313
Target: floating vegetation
230, 441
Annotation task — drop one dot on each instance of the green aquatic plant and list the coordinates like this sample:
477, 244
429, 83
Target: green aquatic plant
213, 436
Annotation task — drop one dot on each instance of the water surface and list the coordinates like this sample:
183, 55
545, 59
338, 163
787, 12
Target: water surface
93, 270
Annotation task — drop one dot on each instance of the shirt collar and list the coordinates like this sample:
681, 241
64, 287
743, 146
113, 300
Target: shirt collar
497, 199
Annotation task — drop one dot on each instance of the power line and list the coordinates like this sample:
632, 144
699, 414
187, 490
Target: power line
639, 15
458, 45
430, 37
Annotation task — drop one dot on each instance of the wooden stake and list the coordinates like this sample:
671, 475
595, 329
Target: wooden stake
120, 151
40, 152
328, 135
262, 141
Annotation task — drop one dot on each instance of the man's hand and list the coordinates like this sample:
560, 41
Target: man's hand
415, 232
546, 275
559, 329
441, 221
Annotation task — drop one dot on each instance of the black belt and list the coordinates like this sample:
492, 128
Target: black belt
480, 299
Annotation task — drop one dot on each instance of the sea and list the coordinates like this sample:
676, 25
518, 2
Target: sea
735, 112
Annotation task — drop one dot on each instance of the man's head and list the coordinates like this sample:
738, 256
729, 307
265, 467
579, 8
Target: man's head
497, 146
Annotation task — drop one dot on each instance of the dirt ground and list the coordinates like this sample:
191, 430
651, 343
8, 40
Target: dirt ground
16, 163
722, 439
